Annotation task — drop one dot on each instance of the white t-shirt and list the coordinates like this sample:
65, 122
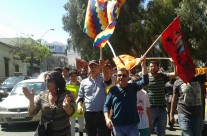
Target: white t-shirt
142, 104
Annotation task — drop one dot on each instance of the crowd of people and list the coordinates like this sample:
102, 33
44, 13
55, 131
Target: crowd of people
109, 101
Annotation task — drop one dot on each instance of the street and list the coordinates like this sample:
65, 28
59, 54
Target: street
29, 129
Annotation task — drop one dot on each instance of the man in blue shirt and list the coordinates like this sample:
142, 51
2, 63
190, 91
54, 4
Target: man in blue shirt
122, 99
92, 93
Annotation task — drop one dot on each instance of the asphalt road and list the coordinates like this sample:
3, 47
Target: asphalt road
28, 129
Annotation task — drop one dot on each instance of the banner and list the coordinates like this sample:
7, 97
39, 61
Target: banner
176, 48
201, 70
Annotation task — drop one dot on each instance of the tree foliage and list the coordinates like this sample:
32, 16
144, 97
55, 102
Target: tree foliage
139, 26
30, 51
194, 21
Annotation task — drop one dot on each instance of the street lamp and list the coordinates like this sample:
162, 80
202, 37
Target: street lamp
45, 60
46, 33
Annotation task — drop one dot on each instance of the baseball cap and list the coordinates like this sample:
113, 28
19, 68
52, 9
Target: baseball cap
93, 62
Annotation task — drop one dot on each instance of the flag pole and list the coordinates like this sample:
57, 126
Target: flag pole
111, 48
152, 45
158, 38
101, 53
151, 58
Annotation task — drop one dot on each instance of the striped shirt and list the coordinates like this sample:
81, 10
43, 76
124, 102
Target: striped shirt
156, 89
61, 125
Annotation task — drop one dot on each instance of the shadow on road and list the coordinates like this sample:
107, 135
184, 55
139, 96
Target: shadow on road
26, 127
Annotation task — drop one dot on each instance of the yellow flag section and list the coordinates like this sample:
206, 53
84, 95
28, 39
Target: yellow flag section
126, 61
202, 71
74, 90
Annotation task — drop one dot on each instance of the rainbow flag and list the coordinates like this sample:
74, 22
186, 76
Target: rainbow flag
103, 37
113, 9
96, 18
102, 3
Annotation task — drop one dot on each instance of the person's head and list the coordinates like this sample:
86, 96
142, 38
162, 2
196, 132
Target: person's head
109, 68
65, 72
153, 67
83, 71
58, 69
55, 82
122, 77
94, 68
114, 71
73, 76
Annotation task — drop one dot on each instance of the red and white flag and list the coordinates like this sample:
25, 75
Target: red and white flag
176, 48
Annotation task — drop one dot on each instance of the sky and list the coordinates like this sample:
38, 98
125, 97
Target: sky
33, 18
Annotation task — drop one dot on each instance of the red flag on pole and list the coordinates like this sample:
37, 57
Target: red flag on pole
176, 48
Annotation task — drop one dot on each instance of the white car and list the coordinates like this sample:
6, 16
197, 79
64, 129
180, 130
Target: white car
14, 108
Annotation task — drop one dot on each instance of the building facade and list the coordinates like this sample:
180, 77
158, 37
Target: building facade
9, 63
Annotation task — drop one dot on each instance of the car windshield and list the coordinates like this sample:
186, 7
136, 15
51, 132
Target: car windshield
12, 80
37, 86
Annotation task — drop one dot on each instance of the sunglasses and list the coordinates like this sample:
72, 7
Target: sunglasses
49, 80
122, 75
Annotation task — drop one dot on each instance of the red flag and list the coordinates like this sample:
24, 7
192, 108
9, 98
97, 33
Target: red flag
176, 48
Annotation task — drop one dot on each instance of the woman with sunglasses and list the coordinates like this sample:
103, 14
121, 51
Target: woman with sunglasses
122, 98
56, 104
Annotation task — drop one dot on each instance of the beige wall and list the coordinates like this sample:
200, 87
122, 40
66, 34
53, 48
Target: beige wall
6, 52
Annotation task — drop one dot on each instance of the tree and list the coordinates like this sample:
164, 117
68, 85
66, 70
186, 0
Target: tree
139, 26
194, 23
30, 51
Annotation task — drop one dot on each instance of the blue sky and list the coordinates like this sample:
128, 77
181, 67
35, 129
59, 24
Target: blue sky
33, 17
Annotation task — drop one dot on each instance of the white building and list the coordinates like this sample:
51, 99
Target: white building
61, 56
9, 63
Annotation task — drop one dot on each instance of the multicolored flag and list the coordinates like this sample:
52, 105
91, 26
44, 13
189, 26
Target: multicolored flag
126, 61
103, 37
113, 9
96, 18
102, 3
176, 48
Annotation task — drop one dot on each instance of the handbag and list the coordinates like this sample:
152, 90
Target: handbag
45, 129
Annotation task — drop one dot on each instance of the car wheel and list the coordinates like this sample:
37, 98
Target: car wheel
4, 125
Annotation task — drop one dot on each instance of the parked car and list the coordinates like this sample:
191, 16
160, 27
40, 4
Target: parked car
9, 83
14, 108
42, 75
